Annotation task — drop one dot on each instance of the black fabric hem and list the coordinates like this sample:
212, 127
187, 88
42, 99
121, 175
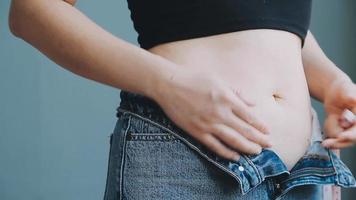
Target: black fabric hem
220, 28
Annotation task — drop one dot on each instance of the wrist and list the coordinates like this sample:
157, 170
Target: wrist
158, 83
335, 83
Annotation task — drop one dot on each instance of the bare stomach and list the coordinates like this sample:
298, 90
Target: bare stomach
266, 66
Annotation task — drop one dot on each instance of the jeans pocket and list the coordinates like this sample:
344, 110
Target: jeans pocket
158, 164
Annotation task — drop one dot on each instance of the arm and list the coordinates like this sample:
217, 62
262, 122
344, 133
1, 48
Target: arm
320, 71
73, 41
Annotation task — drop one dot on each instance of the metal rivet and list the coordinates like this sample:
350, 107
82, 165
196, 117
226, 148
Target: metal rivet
241, 168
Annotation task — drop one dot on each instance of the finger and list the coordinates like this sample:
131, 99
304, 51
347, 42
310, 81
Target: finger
350, 98
328, 142
337, 144
331, 125
247, 130
236, 141
344, 123
239, 93
353, 109
216, 146
243, 112
349, 134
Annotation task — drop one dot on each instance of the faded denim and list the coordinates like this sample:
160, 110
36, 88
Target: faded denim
152, 158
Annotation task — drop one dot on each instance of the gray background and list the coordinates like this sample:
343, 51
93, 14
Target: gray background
54, 125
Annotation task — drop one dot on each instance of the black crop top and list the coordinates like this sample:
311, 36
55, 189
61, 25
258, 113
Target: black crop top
159, 21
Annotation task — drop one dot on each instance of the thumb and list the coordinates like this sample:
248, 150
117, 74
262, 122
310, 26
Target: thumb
331, 126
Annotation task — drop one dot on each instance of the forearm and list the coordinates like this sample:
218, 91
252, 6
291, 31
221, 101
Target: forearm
73, 41
320, 71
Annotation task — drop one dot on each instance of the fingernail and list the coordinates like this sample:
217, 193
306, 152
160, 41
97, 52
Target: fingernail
266, 130
269, 143
349, 116
259, 151
236, 157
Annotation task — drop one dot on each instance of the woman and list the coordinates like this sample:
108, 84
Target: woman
216, 102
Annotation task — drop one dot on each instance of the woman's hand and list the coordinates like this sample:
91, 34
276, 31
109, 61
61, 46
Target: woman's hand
209, 110
340, 96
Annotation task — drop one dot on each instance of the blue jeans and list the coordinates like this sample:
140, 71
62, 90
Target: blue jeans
152, 158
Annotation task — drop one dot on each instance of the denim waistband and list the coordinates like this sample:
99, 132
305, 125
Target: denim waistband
317, 166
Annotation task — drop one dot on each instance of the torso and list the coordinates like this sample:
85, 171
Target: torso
266, 65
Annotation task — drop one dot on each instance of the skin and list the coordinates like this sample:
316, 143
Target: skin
334, 89
216, 105
341, 95
265, 66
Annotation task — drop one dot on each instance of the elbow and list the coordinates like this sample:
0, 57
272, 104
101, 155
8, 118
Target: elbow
23, 14
13, 21
16, 18
14, 26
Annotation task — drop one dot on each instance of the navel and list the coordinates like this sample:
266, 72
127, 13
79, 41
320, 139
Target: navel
277, 97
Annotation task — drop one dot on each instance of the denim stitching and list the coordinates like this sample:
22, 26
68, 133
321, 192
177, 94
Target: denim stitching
260, 178
308, 175
299, 184
333, 164
255, 168
107, 171
312, 168
155, 137
123, 158
282, 172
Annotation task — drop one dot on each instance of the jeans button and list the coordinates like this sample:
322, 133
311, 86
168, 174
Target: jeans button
241, 168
